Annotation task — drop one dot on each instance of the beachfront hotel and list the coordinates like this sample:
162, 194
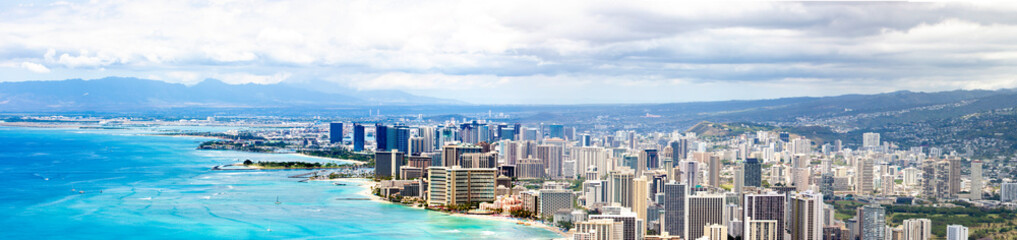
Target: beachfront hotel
455, 185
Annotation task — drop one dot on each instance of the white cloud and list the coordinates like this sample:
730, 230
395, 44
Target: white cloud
437, 47
35, 67
424, 81
244, 78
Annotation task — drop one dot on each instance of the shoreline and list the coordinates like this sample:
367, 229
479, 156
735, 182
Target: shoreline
368, 185
41, 125
352, 162
365, 184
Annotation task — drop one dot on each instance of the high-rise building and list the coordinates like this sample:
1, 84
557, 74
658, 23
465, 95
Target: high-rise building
430, 137
715, 232
402, 138
631, 138
955, 176
800, 146
863, 176
703, 211
507, 134
1008, 192
630, 223
976, 180
649, 158
911, 176
870, 140
552, 200
530, 168
714, 174
929, 178
675, 205
940, 179
935, 152
568, 169
807, 216
872, 221
801, 178
593, 156
452, 153
454, 185
640, 197
784, 136
834, 233
917, 229
335, 133
358, 137
956, 232
479, 160
556, 131
619, 187
594, 192
602, 229
826, 186
553, 157
753, 173
511, 150
680, 149
387, 163
416, 146
689, 172
762, 229
529, 134
739, 183
381, 136
759, 210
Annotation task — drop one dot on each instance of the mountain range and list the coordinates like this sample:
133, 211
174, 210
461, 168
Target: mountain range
129, 94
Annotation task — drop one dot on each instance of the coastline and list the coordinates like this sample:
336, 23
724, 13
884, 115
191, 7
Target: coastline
367, 185
41, 125
363, 184
352, 162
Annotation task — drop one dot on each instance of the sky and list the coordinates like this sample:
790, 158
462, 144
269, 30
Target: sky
522, 52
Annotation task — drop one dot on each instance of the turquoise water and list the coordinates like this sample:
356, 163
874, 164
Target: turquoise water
157, 187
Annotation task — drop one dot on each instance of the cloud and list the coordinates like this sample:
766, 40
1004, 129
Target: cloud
35, 67
425, 81
445, 48
245, 78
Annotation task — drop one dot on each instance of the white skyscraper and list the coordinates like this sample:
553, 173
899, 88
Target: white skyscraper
956, 232
870, 140
911, 176
1008, 192
917, 229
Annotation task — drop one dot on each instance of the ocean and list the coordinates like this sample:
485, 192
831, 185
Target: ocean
128, 184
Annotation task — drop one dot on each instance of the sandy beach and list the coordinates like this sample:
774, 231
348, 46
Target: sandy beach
367, 185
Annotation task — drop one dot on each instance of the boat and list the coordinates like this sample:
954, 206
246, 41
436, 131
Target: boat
277, 202
338, 184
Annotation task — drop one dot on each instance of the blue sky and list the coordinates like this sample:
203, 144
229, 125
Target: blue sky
522, 52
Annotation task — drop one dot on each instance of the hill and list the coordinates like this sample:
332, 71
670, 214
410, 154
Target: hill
131, 94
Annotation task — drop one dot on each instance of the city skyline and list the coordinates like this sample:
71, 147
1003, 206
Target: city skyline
514, 53
512, 120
